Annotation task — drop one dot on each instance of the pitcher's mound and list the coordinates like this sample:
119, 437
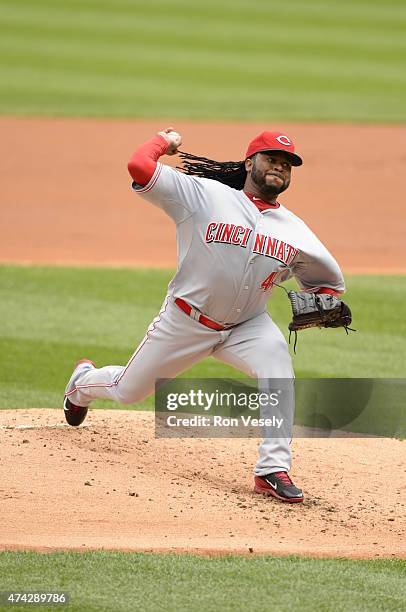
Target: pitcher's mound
111, 484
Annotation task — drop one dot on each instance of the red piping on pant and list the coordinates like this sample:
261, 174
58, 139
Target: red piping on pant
151, 329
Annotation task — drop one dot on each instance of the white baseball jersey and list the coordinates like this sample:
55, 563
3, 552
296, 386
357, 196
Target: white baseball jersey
230, 253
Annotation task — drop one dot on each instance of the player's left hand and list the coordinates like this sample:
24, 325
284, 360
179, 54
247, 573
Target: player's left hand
318, 310
174, 140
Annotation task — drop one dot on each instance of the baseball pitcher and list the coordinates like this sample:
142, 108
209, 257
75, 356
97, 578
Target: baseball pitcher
235, 242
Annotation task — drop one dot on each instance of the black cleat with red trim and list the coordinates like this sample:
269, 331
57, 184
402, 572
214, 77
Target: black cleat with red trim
279, 485
75, 415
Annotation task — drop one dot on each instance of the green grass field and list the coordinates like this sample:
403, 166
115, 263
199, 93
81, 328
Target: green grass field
318, 60
53, 316
113, 581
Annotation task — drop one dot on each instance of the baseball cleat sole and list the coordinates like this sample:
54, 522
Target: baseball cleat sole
291, 500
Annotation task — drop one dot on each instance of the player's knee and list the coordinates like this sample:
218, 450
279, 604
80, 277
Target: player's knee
277, 363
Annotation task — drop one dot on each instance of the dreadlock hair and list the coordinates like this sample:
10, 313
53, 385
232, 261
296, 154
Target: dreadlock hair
230, 173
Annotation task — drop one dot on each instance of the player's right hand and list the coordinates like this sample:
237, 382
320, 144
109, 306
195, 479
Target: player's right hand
173, 139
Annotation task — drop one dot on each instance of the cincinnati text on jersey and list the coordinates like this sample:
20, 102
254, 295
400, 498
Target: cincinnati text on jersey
229, 233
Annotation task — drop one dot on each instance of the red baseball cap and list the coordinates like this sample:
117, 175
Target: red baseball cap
274, 141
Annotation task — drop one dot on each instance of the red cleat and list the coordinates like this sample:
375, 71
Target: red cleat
279, 485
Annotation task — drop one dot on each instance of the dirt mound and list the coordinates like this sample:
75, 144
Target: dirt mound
110, 484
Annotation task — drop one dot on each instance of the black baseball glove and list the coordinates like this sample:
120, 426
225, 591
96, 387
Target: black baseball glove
318, 310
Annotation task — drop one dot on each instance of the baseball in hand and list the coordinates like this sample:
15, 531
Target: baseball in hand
173, 139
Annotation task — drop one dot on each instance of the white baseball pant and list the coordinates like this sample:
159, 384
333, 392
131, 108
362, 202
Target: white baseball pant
173, 343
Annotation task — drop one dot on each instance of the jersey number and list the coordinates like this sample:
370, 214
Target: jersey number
268, 282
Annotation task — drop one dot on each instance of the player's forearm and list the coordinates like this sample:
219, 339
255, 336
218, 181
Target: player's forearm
319, 274
143, 162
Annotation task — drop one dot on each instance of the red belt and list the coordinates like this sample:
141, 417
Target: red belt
195, 314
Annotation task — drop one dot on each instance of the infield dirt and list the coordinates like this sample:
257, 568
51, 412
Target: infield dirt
65, 199
110, 484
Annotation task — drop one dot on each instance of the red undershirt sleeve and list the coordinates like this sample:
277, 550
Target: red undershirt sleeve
143, 162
